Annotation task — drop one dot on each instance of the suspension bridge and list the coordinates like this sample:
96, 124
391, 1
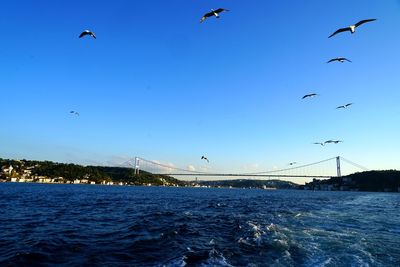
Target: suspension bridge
324, 169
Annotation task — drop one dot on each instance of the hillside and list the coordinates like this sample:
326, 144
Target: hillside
247, 183
47, 171
373, 181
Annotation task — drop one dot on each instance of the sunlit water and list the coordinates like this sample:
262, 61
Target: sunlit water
75, 225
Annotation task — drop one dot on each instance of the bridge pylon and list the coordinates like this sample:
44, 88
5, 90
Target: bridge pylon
137, 166
339, 172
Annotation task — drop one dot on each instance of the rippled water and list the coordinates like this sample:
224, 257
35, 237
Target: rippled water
75, 225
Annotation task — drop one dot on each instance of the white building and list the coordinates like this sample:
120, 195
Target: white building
8, 170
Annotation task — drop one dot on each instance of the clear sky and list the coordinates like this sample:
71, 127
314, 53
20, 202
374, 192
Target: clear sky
158, 84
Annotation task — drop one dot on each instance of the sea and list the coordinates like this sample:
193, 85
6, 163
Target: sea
89, 225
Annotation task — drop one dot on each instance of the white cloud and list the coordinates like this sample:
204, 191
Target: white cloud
191, 168
158, 167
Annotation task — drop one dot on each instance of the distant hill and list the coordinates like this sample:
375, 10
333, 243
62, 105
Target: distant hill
373, 181
127, 175
31, 171
248, 183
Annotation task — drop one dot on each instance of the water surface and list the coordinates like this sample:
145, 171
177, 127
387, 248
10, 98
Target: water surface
75, 225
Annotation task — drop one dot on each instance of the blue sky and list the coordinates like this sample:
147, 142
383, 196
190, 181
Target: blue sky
158, 84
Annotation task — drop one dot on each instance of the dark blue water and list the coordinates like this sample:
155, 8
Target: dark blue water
75, 225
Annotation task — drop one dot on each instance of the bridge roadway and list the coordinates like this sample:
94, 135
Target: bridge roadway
244, 175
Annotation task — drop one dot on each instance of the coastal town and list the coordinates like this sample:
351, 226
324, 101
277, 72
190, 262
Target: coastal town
370, 181
24, 171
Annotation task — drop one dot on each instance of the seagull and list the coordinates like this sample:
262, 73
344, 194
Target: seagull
74, 113
351, 28
292, 163
345, 106
340, 59
309, 95
214, 13
87, 32
202, 157
318, 143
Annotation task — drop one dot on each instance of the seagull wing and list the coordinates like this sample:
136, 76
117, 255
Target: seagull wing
339, 31
333, 59
348, 105
348, 60
219, 10
83, 34
207, 15
340, 107
363, 21
309, 95
93, 35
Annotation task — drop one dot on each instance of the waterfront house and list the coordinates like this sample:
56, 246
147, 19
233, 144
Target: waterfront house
8, 170
43, 179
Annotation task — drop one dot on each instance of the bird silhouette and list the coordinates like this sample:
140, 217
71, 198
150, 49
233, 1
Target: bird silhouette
345, 106
87, 32
214, 13
309, 95
292, 163
203, 157
351, 28
339, 59
74, 113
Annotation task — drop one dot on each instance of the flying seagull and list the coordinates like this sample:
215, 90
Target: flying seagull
87, 32
214, 13
351, 28
309, 95
318, 143
202, 157
292, 163
74, 113
339, 59
345, 106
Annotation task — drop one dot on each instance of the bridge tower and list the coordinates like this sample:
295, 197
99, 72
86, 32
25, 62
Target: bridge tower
339, 172
137, 166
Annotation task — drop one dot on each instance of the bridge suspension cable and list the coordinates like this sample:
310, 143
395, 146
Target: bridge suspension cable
181, 171
166, 169
171, 167
355, 164
289, 169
